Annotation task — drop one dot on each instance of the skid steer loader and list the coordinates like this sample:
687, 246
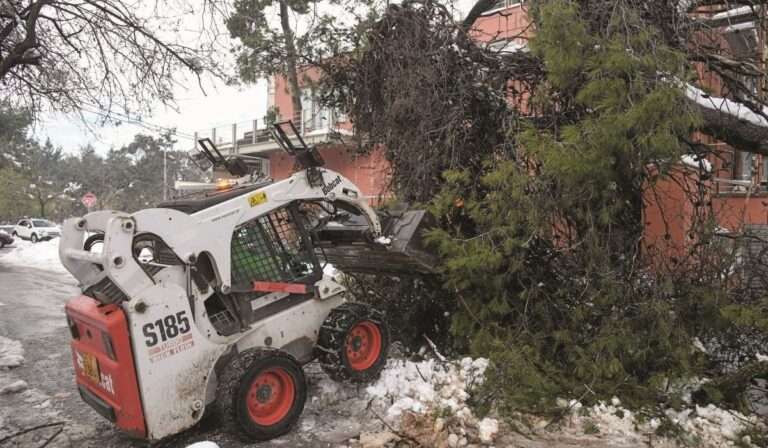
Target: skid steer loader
212, 304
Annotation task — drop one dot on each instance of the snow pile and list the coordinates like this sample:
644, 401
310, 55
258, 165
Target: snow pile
383, 240
712, 425
488, 428
706, 426
11, 353
203, 444
41, 255
428, 385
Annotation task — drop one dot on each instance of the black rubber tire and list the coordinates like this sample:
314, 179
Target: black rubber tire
2, 244
331, 343
14, 234
33, 238
234, 383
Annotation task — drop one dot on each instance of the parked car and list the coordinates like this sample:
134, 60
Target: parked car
5, 238
35, 229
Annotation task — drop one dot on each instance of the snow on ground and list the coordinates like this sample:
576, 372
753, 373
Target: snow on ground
203, 444
439, 391
11, 353
428, 385
708, 426
41, 255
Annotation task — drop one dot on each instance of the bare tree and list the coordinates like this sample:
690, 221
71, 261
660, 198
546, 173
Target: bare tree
102, 56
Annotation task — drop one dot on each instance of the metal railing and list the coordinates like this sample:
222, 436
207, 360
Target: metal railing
738, 186
231, 138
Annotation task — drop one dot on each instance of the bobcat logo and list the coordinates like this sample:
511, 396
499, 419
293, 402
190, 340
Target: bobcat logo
330, 186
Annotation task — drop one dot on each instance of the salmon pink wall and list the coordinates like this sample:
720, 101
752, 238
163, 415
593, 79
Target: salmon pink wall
668, 212
505, 24
369, 172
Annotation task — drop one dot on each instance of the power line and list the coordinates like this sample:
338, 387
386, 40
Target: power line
139, 122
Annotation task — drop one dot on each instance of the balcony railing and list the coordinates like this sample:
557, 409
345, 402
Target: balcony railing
739, 186
255, 134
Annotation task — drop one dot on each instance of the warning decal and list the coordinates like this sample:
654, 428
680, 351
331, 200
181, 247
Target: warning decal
257, 198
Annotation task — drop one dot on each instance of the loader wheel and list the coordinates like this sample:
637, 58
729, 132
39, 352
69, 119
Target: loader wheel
261, 394
353, 343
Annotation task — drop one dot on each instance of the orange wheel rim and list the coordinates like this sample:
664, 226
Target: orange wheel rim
363, 345
270, 396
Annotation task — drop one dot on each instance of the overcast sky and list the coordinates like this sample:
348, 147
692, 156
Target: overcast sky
218, 106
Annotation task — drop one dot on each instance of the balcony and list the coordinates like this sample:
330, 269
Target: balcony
253, 137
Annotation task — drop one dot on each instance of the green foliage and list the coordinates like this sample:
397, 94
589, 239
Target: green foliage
14, 138
545, 250
13, 201
263, 47
538, 166
44, 181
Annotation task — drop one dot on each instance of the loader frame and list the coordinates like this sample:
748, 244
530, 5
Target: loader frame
176, 350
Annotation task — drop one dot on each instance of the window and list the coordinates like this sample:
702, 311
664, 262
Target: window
503, 4
261, 166
274, 247
313, 115
743, 166
42, 223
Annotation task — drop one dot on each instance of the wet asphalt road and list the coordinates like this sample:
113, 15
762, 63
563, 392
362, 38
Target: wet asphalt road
32, 312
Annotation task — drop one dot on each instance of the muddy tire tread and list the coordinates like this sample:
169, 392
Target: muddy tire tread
225, 407
331, 343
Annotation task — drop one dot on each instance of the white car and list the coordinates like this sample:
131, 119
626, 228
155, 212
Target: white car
35, 230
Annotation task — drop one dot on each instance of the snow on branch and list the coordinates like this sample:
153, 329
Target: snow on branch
726, 106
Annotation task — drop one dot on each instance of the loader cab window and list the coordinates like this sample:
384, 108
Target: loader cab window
274, 247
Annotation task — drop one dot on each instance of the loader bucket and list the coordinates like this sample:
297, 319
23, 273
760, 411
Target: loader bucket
346, 247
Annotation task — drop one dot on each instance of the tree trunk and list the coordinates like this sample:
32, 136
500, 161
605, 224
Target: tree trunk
290, 50
41, 201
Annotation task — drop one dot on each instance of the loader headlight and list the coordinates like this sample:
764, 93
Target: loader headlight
225, 184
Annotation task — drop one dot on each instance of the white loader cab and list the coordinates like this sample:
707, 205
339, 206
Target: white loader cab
215, 303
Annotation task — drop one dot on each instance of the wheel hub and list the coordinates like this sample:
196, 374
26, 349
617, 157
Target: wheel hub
363, 345
264, 393
357, 342
270, 396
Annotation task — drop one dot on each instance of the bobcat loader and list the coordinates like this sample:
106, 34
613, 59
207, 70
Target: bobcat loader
212, 304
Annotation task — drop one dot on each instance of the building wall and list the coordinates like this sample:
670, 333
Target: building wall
510, 23
369, 172
738, 180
